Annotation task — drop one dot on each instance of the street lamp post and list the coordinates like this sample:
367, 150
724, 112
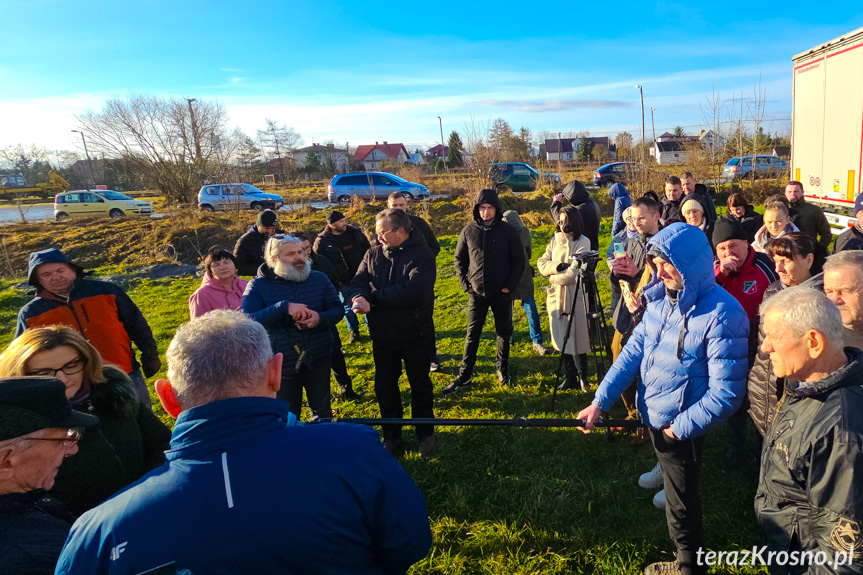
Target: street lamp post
89, 162
643, 143
442, 146
652, 126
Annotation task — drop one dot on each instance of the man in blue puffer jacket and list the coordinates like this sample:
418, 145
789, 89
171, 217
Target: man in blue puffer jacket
298, 307
690, 350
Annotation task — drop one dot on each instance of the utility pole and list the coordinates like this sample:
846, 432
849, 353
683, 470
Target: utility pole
89, 163
643, 143
652, 126
559, 152
194, 130
442, 146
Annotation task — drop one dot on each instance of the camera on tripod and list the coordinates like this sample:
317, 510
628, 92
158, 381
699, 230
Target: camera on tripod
587, 257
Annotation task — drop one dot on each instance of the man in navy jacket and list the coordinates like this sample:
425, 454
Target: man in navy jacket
298, 307
246, 489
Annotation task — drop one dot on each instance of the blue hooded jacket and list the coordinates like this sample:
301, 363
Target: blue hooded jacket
247, 490
621, 202
692, 353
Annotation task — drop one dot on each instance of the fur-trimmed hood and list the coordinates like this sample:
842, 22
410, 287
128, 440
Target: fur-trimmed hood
112, 399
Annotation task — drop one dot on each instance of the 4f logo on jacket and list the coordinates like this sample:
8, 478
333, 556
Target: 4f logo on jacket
115, 551
750, 287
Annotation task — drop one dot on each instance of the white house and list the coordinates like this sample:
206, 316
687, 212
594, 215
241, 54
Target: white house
373, 156
339, 156
667, 152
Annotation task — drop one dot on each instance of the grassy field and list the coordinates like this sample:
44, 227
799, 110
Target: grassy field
510, 501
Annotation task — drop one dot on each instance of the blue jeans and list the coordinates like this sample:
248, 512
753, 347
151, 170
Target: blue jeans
532, 314
350, 317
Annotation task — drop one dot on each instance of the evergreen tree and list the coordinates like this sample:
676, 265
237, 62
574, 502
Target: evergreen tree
585, 147
454, 157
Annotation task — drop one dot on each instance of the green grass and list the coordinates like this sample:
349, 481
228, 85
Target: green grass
502, 500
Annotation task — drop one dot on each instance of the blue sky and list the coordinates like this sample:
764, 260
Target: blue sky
374, 71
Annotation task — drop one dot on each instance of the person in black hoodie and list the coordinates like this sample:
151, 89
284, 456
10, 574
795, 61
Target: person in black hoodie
739, 210
671, 204
249, 250
395, 287
587, 208
489, 260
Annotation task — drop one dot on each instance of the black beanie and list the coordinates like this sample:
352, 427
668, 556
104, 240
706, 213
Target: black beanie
725, 229
334, 216
267, 219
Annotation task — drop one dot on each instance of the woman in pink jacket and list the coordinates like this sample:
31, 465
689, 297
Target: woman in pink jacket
220, 286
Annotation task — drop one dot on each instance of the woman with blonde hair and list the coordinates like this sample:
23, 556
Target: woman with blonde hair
777, 223
128, 442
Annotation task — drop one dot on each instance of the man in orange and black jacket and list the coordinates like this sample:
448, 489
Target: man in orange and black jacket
100, 311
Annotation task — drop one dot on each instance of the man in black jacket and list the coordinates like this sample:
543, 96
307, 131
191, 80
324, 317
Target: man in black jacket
671, 203
808, 497
687, 182
339, 367
249, 250
852, 238
344, 246
398, 201
808, 217
36, 433
395, 287
489, 260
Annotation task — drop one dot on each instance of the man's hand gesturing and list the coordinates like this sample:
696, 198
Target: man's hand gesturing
590, 415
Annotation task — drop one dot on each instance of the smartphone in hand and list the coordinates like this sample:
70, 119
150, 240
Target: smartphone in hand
625, 291
618, 249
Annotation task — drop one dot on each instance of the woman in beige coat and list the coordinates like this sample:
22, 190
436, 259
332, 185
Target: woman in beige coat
558, 265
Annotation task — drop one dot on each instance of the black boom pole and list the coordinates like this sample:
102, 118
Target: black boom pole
515, 422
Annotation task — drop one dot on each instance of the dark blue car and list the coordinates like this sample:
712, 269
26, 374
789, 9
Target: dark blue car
622, 172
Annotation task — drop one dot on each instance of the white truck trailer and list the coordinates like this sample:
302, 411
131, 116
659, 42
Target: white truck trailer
827, 126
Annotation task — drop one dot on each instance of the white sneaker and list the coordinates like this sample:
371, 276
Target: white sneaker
652, 479
659, 500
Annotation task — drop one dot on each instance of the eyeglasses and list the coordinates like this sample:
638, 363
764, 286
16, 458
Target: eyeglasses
73, 435
71, 368
384, 234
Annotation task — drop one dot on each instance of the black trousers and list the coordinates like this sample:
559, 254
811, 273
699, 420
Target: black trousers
477, 311
681, 464
388, 368
316, 382
339, 367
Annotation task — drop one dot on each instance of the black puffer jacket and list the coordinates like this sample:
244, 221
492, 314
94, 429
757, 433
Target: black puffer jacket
751, 221
249, 251
345, 251
488, 259
850, 239
128, 442
403, 300
809, 496
588, 209
763, 388
670, 211
709, 204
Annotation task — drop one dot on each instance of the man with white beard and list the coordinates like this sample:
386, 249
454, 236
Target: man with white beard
298, 307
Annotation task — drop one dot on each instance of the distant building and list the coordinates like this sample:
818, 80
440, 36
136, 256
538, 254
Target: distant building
373, 156
782, 152
671, 152
339, 156
417, 159
569, 146
710, 140
435, 151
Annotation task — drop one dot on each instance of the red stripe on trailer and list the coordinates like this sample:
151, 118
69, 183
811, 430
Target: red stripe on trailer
808, 63
845, 50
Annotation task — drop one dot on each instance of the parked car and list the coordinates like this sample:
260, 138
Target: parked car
622, 172
765, 166
95, 203
372, 185
519, 177
236, 197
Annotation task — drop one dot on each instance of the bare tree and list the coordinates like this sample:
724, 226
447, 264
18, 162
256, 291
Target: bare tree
174, 142
278, 142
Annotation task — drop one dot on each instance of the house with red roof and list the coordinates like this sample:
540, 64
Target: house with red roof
373, 156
